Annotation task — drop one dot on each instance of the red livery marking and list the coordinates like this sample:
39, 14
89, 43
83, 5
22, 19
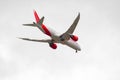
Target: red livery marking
46, 30
53, 46
36, 16
43, 26
74, 37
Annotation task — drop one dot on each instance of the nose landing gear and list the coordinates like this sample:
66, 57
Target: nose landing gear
76, 51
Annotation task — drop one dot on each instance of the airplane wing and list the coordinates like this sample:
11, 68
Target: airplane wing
73, 26
70, 31
35, 40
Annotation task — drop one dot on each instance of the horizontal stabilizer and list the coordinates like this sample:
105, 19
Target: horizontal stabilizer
40, 22
33, 25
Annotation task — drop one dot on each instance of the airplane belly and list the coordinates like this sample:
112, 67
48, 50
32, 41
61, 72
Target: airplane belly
72, 44
54, 35
56, 38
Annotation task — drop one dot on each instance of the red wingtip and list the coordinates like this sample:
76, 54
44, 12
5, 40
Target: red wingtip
36, 16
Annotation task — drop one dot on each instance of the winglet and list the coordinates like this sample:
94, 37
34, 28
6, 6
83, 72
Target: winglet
36, 16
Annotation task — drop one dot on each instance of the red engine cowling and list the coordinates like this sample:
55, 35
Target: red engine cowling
53, 45
74, 37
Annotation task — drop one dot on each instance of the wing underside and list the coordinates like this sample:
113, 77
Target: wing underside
73, 26
70, 31
36, 40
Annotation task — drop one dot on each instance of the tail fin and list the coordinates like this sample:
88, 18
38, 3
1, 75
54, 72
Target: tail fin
36, 17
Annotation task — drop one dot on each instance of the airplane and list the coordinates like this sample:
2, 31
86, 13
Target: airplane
67, 38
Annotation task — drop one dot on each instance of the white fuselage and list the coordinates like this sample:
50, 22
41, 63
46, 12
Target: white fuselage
67, 38
56, 37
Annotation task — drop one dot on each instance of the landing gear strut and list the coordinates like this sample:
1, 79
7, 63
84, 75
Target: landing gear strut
76, 51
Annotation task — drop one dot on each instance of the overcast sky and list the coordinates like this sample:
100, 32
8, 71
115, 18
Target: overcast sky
99, 38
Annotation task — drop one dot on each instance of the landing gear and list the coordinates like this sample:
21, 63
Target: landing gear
76, 51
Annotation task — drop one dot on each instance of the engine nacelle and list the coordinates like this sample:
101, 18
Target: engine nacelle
74, 37
53, 45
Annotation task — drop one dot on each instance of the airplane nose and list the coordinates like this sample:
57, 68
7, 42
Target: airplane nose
79, 49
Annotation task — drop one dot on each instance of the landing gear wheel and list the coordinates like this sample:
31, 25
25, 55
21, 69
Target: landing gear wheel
76, 51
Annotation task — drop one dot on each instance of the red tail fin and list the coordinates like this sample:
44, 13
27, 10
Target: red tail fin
36, 16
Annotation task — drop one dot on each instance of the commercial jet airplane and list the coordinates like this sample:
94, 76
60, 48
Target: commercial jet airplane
67, 38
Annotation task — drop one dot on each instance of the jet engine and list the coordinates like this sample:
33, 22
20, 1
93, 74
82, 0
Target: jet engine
74, 37
53, 45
